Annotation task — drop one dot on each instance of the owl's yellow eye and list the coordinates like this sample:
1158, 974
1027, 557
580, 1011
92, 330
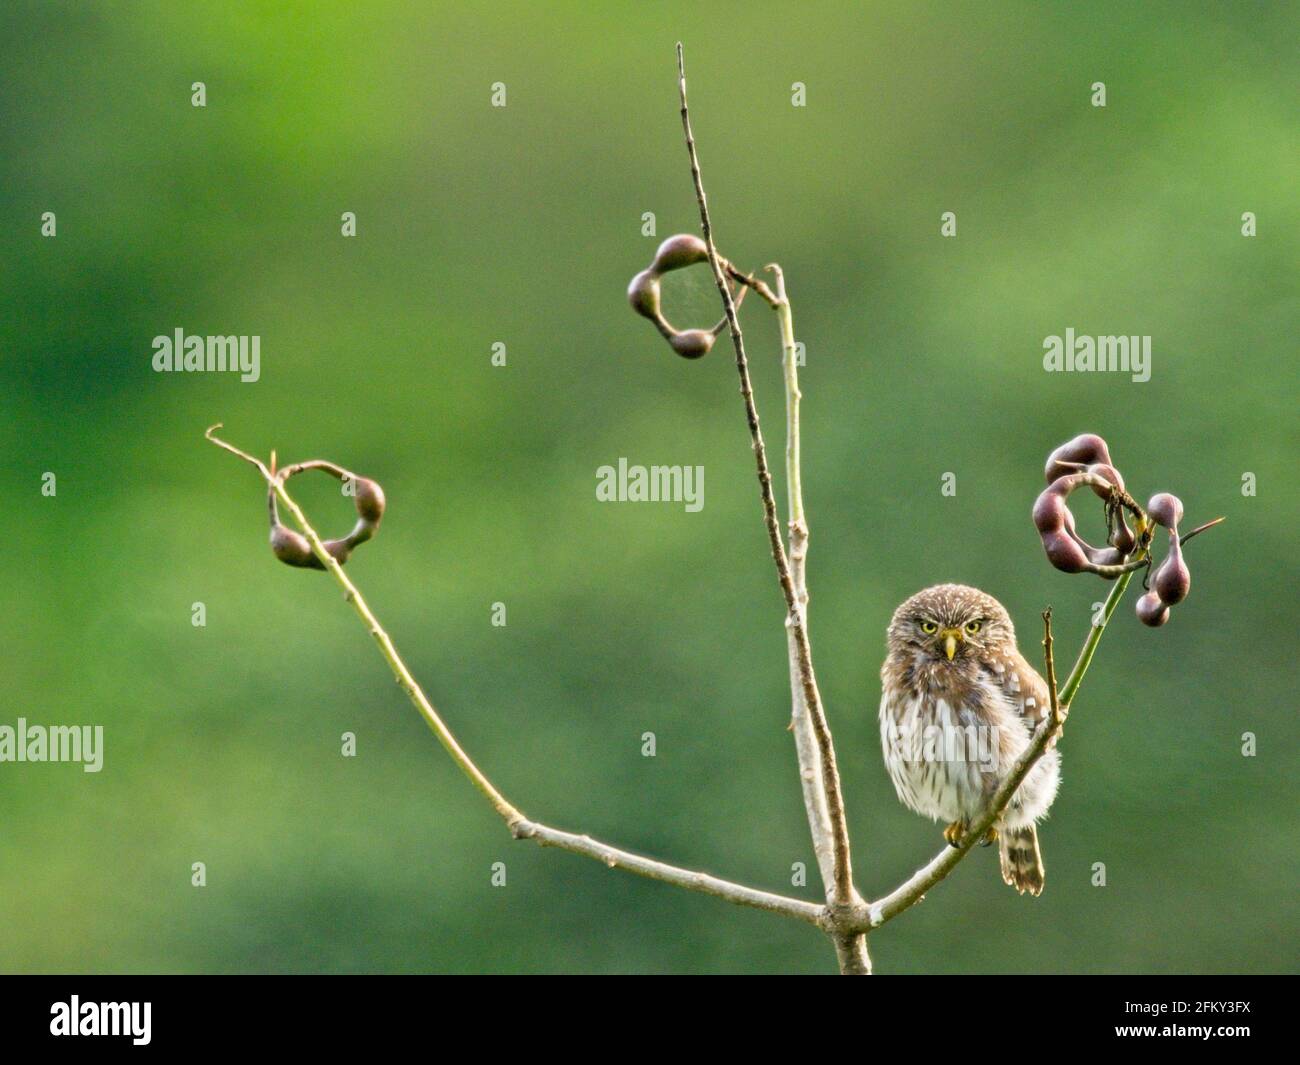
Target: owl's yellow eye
929, 628
972, 627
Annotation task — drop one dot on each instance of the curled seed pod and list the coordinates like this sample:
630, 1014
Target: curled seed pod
293, 549
1084, 450
643, 294
1165, 509
1065, 548
1173, 580
685, 249
692, 343
370, 500
1064, 553
1051, 512
1151, 611
1055, 525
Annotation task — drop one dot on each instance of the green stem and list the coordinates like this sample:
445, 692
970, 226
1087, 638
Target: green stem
1075, 678
793, 463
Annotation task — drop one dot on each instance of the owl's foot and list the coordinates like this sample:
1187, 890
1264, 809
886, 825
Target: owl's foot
955, 834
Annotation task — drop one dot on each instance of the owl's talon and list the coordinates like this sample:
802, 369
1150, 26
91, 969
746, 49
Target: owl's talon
990, 837
954, 833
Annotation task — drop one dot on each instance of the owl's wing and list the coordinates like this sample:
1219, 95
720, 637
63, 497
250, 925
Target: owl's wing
1023, 688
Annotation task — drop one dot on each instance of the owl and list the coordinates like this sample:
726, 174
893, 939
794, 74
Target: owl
959, 705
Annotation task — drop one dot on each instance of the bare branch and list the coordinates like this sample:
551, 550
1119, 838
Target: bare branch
810, 912
520, 827
840, 888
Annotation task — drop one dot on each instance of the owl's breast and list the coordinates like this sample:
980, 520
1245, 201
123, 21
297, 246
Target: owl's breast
942, 756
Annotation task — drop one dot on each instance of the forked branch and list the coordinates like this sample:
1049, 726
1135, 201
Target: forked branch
520, 826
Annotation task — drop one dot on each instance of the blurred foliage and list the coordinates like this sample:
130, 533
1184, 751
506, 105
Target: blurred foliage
522, 225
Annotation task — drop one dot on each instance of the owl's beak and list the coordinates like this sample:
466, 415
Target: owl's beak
950, 638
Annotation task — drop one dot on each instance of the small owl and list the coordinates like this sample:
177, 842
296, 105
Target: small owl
960, 704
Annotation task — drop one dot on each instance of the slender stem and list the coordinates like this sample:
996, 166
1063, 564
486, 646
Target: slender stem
1075, 678
850, 949
808, 744
809, 912
520, 826
790, 364
912, 891
404, 678
1049, 669
840, 890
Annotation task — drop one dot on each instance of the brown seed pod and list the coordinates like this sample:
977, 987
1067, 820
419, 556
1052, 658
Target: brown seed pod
293, 549
1151, 611
369, 499
1084, 450
1050, 510
692, 343
1055, 525
1173, 580
1064, 553
643, 294
1065, 548
1165, 509
684, 249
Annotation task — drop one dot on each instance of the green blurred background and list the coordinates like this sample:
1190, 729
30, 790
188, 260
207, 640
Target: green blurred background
522, 225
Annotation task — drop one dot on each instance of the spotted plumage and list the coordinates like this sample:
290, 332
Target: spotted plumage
959, 705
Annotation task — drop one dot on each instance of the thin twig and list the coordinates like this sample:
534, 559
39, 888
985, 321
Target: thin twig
1199, 529
812, 732
1081, 664
840, 890
750, 281
520, 827
1049, 668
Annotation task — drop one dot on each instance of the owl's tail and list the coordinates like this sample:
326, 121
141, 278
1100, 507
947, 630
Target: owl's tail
1022, 862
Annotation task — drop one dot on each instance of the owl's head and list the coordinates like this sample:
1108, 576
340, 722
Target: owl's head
950, 623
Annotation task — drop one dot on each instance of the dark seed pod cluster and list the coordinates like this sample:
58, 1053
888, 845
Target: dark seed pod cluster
292, 548
675, 253
1085, 460
1172, 580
